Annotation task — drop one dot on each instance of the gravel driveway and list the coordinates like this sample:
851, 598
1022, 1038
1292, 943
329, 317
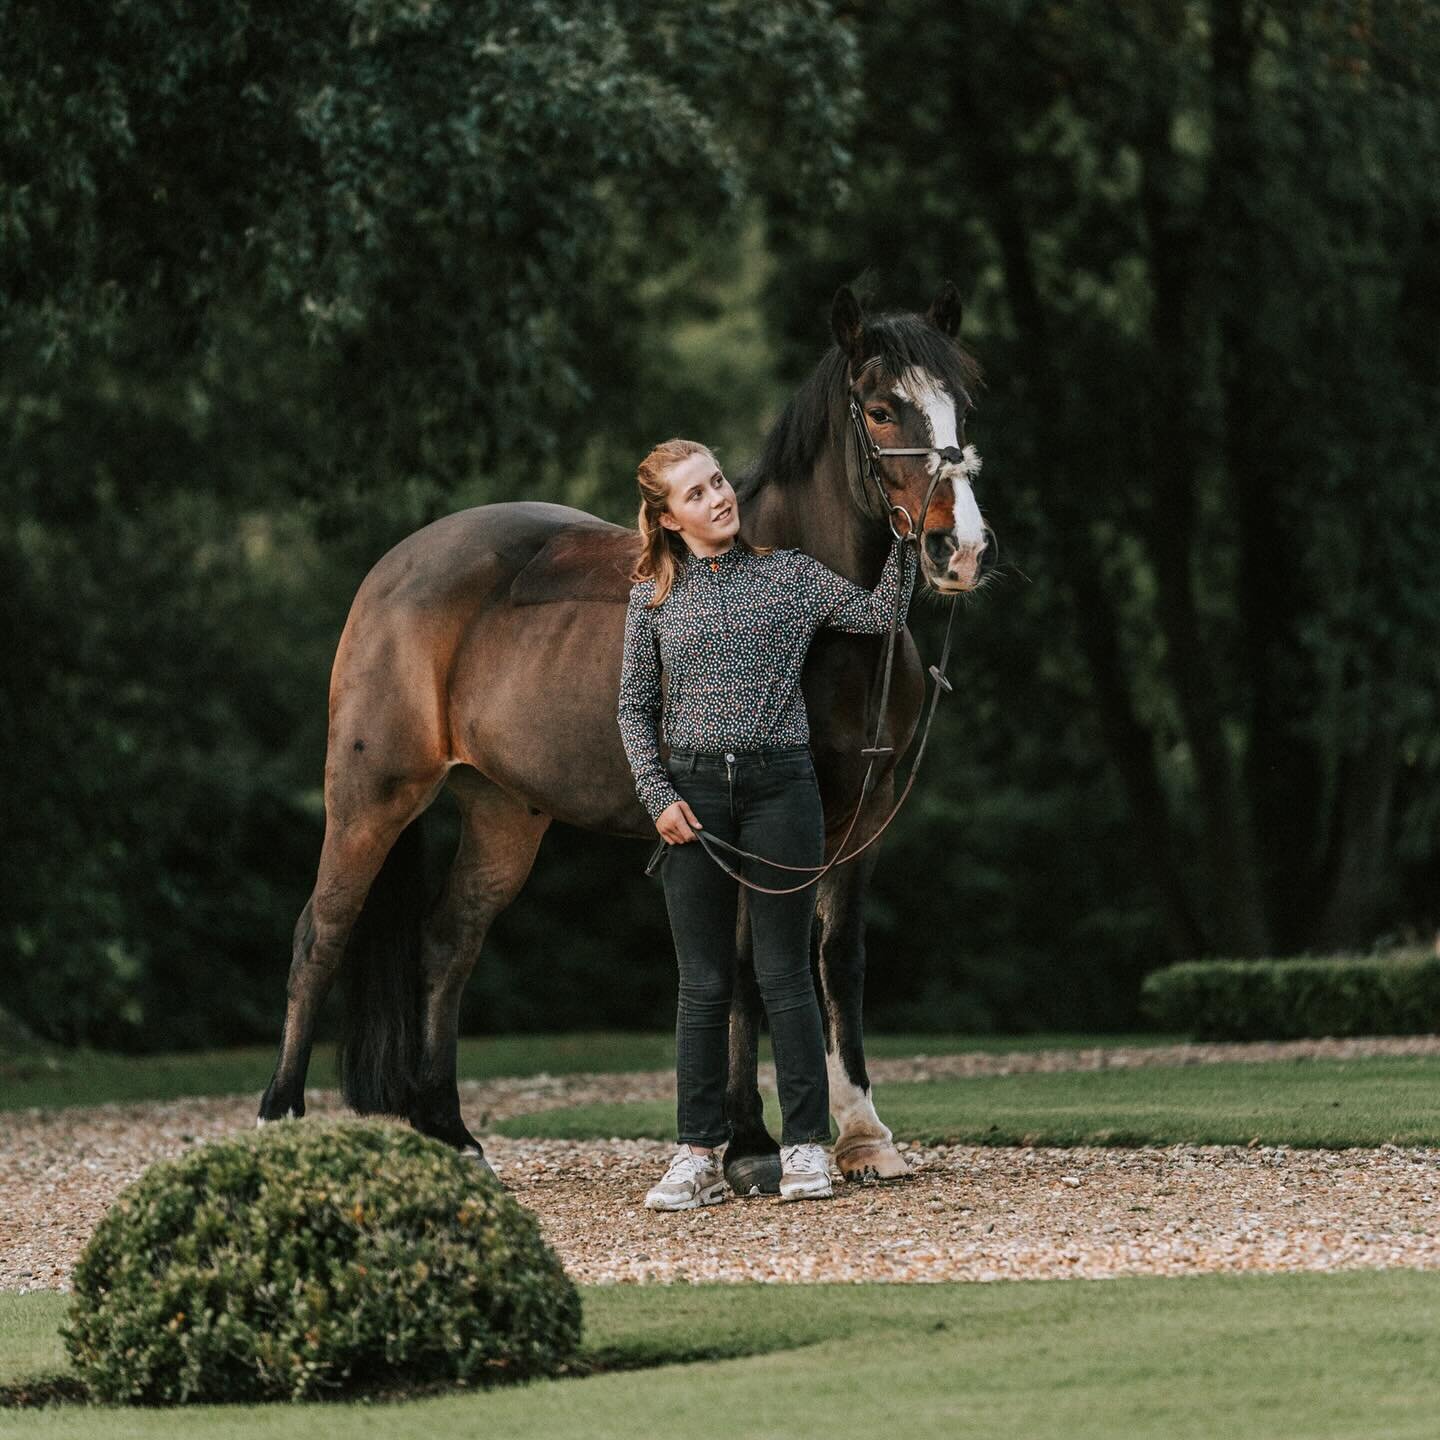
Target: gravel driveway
968, 1213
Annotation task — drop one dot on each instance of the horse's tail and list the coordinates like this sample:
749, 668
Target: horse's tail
380, 1042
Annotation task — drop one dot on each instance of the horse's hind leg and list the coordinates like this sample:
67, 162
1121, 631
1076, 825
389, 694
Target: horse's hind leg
354, 850
498, 841
863, 1149
752, 1158
308, 984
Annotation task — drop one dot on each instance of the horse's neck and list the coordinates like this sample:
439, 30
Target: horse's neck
815, 515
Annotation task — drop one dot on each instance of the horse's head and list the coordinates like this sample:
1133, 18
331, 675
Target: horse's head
911, 386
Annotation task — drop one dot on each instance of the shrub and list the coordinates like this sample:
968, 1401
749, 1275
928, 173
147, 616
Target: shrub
1290, 999
313, 1256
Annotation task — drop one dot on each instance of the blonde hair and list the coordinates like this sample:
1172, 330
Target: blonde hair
662, 551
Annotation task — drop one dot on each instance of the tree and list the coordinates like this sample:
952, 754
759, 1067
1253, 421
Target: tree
1201, 242
287, 273
453, 202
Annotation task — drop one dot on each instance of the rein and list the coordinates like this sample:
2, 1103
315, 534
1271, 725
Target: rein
869, 458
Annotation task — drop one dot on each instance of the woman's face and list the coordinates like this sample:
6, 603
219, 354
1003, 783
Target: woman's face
702, 506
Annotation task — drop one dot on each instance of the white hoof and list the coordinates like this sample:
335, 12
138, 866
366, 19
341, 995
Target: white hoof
866, 1158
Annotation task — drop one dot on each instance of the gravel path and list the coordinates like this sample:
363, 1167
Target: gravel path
968, 1213
975, 1213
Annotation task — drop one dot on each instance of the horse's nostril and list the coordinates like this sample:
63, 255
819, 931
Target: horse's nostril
939, 546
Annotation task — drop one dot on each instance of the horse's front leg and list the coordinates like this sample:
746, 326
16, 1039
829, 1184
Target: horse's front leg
752, 1158
863, 1149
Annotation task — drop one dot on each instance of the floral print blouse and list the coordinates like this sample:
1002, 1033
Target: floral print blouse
732, 636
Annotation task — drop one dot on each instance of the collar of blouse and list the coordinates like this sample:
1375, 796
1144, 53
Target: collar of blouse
725, 561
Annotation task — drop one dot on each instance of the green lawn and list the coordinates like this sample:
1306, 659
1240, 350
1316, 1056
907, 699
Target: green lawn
29, 1343
61, 1077
1257, 1357
1308, 1103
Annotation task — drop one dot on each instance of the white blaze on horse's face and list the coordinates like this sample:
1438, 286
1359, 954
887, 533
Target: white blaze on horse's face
936, 403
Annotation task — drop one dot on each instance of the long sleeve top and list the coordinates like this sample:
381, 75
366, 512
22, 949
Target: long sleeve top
732, 636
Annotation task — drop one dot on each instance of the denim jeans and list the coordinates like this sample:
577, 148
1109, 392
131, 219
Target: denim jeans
767, 801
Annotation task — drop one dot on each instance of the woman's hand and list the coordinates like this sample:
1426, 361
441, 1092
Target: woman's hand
677, 823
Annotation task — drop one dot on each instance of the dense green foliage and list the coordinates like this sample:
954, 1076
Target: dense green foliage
1286, 999
422, 218
279, 283
1199, 245
1201, 1358
309, 1257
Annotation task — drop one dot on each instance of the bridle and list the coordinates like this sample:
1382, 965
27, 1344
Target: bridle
869, 457
869, 454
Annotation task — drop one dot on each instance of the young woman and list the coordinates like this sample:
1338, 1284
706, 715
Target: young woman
730, 625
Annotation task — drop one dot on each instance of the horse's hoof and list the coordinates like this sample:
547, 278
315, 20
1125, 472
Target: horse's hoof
868, 1161
754, 1174
484, 1166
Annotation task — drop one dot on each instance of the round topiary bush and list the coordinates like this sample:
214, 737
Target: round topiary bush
312, 1256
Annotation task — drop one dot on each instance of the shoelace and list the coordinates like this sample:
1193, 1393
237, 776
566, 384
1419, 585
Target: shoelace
684, 1165
804, 1159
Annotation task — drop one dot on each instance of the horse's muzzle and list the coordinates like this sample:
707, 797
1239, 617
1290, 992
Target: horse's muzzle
951, 566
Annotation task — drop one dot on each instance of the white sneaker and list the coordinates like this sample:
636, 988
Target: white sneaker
804, 1173
691, 1181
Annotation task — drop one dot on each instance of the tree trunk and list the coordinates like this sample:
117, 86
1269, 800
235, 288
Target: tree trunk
1131, 745
1283, 771
1356, 874
1237, 898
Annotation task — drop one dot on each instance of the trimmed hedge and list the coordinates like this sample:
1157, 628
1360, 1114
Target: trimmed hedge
1294, 999
311, 1257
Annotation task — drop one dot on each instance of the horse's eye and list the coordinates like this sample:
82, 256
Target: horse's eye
880, 417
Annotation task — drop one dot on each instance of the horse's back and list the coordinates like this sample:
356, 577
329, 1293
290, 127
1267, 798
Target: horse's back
523, 552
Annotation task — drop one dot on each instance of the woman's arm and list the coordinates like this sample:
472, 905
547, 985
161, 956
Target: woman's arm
640, 709
842, 605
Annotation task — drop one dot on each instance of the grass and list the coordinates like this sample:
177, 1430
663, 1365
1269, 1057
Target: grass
89, 1077
1263, 1357
1309, 1103
29, 1339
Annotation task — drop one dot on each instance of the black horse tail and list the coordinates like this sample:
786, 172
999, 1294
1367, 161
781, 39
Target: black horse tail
380, 1042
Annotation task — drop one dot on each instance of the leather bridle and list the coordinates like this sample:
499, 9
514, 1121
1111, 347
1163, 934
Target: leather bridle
869, 456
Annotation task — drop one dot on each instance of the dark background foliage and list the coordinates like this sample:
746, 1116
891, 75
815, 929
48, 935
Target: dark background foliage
280, 283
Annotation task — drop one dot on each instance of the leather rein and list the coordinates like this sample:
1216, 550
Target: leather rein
869, 454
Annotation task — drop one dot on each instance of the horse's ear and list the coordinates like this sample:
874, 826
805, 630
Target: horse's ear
946, 311
847, 324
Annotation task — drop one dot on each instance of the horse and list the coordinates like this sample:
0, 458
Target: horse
482, 654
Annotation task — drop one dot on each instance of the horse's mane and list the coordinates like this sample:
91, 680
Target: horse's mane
817, 410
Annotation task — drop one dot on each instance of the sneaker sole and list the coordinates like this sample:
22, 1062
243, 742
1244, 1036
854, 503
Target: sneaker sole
807, 1192
713, 1196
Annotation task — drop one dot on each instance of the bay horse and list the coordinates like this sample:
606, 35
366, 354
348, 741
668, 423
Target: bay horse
482, 653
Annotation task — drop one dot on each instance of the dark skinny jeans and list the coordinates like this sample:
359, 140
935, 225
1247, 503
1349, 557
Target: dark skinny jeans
767, 801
